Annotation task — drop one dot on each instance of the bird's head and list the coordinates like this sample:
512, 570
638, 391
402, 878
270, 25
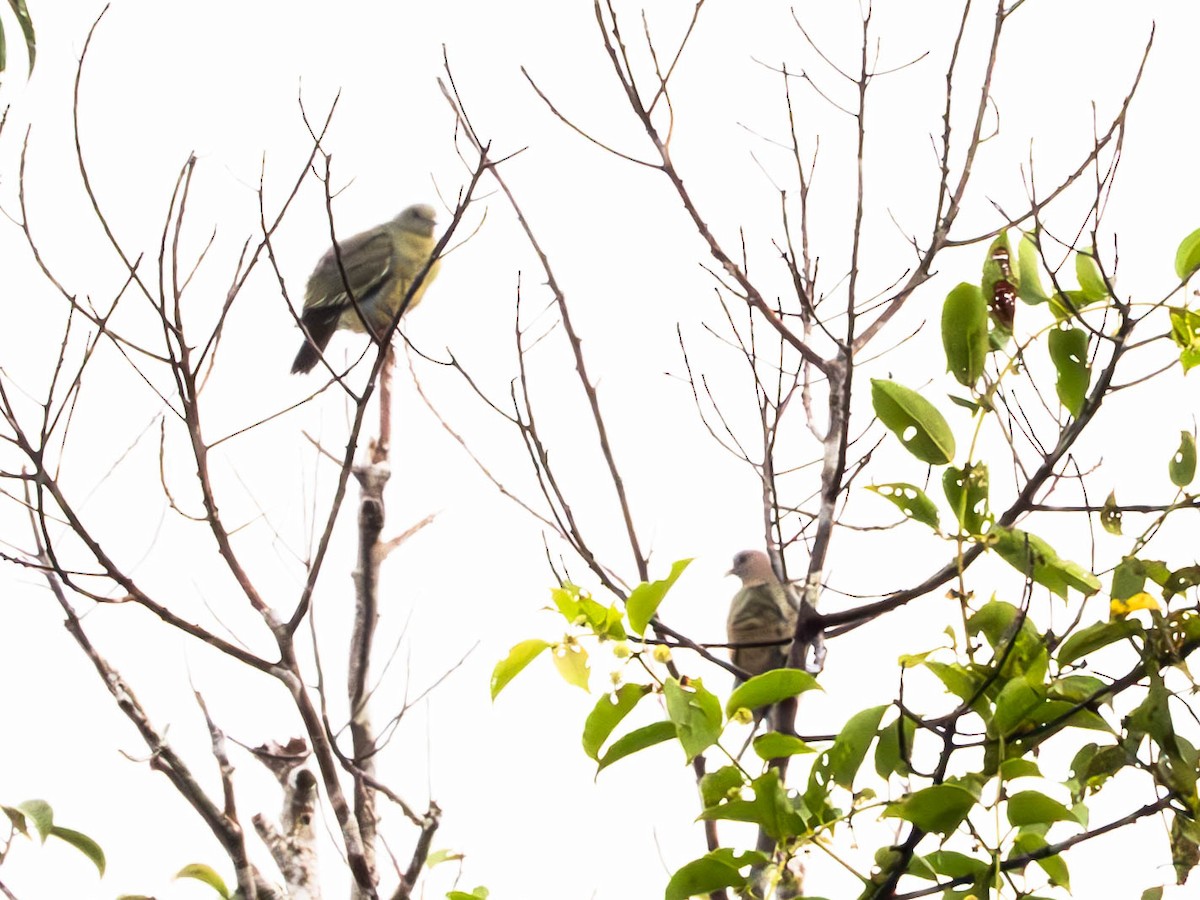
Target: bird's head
419, 218
753, 567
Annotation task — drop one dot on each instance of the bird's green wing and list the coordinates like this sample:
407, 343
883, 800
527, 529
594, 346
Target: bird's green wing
367, 260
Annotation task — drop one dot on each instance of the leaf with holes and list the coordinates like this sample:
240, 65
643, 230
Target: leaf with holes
911, 500
914, 420
1068, 352
1182, 467
1110, 514
966, 491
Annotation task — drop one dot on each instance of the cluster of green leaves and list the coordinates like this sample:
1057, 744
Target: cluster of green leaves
1033, 685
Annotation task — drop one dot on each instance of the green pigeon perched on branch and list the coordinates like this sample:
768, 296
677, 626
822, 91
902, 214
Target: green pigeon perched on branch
763, 610
379, 267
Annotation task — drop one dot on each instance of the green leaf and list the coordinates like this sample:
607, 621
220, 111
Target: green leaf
437, 857
724, 784
770, 808
1016, 700
83, 844
638, 739
768, 688
708, 874
696, 713
1034, 558
207, 875
971, 405
518, 658
1183, 464
1129, 578
1019, 768
774, 745
1110, 514
1185, 331
914, 420
571, 660
41, 815
1187, 257
1033, 808
1029, 280
1001, 623
1054, 866
895, 747
947, 863
911, 500
1075, 688
1068, 352
608, 713
960, 681
966, 490
1154, 893
965, 333
1093, 637
644, 599
480, 893
1091, 280
850, 746
1180, 580
938, 809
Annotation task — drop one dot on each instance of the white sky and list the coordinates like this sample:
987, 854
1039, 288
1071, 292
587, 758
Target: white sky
222, 79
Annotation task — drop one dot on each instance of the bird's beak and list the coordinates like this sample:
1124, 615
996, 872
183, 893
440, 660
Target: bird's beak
730, 572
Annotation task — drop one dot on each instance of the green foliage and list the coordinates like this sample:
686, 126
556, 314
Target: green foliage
608, 713
911, 501
719, 869
1110, 514
965, 333
1091, 280
966, 491
1187, 257
696, 714
645, 598
1034, 558
1185, 331
1029, 280
1068, 352
1182, 468
636, 740
774, 745
518, 658
205, 875
769, 687
914, 420
938, 809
